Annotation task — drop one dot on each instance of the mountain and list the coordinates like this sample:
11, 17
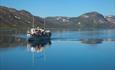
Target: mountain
111, 19
90, 20
19, 19
22, 20
58, 22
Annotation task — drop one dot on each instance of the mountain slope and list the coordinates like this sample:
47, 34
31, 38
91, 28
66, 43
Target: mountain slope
111, 20
92, 20
13, 18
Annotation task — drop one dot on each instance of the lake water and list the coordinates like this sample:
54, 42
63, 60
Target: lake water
70, 50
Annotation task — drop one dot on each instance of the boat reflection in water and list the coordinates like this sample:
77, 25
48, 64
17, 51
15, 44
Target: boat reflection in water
38, 44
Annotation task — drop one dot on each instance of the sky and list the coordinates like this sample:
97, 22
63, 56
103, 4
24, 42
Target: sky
70, 8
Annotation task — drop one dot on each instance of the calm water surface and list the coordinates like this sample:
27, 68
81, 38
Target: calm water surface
70, 50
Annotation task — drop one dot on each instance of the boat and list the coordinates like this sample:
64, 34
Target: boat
38, 36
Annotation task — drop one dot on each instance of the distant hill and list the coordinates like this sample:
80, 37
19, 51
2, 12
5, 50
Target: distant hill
91, 20
22, 20
19, 19
111, 20
58, 22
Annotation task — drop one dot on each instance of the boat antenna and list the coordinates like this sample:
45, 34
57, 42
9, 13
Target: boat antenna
44, 23
33, 22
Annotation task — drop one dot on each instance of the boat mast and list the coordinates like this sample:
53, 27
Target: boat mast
33, 22
44, 23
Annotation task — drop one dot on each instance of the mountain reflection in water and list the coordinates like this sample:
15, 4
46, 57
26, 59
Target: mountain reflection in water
92, 41
12, 41
86, 37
